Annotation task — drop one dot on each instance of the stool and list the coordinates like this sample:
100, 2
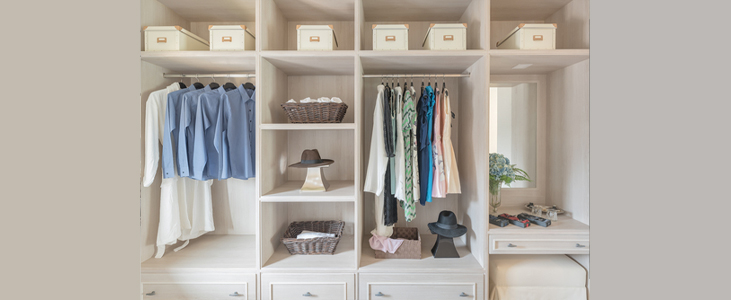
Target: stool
536, 277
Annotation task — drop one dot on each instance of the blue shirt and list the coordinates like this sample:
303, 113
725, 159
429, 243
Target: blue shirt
424, 128
205, 152
237, 128
170, 135
186, 134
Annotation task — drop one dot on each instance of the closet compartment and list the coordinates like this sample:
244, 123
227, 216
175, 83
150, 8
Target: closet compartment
466, 89
340, 286
171, 286
172, 38
571, 18
282, 20
231, 38
474, 13
421, 286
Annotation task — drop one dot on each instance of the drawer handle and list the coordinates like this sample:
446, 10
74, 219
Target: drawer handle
226, 39
307, 294
150, 293
314, 39
235, 294
162, 40
390, 38
449, 37
580, 245
380, 294
511, 245
463, 295
538, 37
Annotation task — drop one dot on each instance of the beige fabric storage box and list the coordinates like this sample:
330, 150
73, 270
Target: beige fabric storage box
409, 249
172, 38
390, 36
530, 37
231, 38
316, 37
446, 37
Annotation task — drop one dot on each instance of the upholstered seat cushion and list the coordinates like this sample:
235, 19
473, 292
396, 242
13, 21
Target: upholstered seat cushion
536, 277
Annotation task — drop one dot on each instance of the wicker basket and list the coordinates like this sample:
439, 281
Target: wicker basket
409, 249
315, 112
325, 245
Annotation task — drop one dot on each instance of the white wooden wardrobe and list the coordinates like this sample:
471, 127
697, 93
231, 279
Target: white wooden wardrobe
244, 259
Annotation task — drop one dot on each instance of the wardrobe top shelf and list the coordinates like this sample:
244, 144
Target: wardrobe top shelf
202, 61
502, 61
509, 10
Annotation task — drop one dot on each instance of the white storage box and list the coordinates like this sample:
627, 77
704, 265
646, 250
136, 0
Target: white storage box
172, 38
391, 37
530, 36
231, 38
446, 37
316, 37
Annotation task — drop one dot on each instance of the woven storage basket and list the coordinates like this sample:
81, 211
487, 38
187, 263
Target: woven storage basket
315, 112
325, 245
409, 249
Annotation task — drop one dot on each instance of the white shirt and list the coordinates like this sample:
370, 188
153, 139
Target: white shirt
377, 164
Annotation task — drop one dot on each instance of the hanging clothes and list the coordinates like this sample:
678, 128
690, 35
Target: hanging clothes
170, 164
400, 193
186, 134
424, 128
411, 175
450, 160
206, 156
439, 184
377, 164
236, 134
390, 205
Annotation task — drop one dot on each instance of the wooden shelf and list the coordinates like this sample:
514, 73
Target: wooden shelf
324, 126
208, 252
564, 225
510, 10
414, 10
339, 191
543, 61
337, 62
202, 61
213, 11
343, 259
419, 61
465, 264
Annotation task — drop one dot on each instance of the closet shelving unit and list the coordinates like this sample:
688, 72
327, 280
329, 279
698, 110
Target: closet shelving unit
244, 254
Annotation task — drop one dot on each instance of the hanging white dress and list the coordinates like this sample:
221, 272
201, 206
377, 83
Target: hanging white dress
377, 164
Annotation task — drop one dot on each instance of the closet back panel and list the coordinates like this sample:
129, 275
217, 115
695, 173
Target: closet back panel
272, 94
273, 159
424, 214
332, 144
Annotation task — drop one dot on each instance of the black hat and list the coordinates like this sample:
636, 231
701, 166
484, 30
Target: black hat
447, 225
311, 158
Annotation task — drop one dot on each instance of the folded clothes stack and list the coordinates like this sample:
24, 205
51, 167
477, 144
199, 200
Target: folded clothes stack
306, 234
318, 100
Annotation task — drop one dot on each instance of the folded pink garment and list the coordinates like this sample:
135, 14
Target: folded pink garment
385, 244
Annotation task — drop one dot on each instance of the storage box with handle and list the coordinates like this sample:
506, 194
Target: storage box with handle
446, 37
530, 37
316, 37
390, 36
172, 38
231, 38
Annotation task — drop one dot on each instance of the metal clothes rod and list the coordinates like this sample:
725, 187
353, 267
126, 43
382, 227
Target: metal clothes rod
415, 75
208, 75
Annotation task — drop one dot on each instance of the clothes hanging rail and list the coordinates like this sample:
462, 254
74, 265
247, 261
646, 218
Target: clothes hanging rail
415, 75
250, 75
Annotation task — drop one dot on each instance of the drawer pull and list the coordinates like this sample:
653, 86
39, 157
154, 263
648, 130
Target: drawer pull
538, 37
307, 294
511, 245
150, 293
314, 39
235, 294
580, 245
390, 38
463, 295
448, 37
380, 294
162, 40
226, 39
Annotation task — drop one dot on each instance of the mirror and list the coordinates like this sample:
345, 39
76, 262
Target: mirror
513, 126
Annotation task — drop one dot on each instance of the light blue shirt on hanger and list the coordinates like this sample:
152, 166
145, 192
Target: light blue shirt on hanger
236, 133
170, 134
205, 154
186, 134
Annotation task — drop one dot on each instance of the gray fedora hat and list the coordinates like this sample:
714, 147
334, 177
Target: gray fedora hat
311, 158
447, 225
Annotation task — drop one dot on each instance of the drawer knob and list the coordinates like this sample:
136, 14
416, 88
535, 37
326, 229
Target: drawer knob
511, 245
380, 294
235, 294
463, 295
307, 294
150, 293
580, 245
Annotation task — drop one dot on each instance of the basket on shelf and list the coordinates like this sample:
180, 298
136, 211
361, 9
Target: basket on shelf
315, 112
324, 245
409, 249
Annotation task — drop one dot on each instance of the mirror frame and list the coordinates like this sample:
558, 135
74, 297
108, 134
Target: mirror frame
521, 196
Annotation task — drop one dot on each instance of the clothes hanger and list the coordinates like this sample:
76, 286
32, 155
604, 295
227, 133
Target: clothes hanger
229, 85
197, 83
214, 85
249, 85
444, 83
182, 85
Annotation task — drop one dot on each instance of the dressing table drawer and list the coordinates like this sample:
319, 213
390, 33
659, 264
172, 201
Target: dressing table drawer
422, 287
307, 286
539, 244
175, 286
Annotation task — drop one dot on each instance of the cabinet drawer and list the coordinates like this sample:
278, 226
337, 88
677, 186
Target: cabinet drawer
539, 244
214, 291
308, 286
422, 287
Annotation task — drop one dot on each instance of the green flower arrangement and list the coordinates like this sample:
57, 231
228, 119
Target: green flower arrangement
502, 171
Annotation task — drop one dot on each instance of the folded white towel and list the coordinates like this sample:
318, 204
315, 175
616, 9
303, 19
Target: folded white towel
307, 100
336, 100
323, 100
306, 234
291, 101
